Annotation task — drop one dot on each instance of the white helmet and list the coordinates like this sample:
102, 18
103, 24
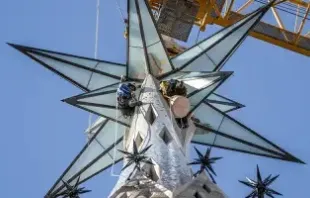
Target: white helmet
123, 78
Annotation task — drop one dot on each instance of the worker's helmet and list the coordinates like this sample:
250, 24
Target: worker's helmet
123, 78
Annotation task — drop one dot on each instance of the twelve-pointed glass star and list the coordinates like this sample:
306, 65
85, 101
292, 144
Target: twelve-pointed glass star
198, 67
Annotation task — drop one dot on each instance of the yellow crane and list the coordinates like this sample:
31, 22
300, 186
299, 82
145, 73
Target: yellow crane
287, 26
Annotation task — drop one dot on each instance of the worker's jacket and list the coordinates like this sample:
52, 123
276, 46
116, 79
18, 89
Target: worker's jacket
124, 91
170, 88
164, 86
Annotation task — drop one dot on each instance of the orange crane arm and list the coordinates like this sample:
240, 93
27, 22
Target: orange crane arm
220, 12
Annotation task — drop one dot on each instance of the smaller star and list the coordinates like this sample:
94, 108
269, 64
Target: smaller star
72, 191
260, 187
205, 163
136, 157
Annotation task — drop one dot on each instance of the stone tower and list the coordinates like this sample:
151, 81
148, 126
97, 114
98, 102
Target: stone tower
154, 123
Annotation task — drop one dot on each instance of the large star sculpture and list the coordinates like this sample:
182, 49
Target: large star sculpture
198, 67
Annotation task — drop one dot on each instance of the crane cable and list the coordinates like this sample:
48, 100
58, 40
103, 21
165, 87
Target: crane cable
119, 10
95, 56
116, 128
284, 9
198, 35
97, 41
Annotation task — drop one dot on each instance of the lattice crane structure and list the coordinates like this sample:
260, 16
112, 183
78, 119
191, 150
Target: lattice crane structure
287, 26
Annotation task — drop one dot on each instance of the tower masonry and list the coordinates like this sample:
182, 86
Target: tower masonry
154, 124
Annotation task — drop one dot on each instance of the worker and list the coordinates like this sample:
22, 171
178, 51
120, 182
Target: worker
180, 89
168, 87
173, 87
126, 97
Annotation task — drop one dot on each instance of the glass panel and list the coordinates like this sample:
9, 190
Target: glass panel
222, 49
208, 117
186, 56
95, 126
103, 140
189, 89
104, 99
175, 75
202, 63
201, 95
83, 77
111, 132
209, 60
150, 32
136, 58
135, 39
92, 151
220, 141
195, 74
100, 90
78, 75
98, 81
228, 126
152, 38
195, 80
107, 112
111, 68
136, 63
232, 128
222, 107
199, 83
191, 75
104, 66
219, 98
103, 162
59, 184
78, 60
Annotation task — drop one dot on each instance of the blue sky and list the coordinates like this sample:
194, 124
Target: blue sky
41, 135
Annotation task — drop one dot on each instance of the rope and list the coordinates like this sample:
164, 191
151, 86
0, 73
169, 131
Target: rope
117, 111
97, 29
198, 34
95, 54
115, 138
119, 10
